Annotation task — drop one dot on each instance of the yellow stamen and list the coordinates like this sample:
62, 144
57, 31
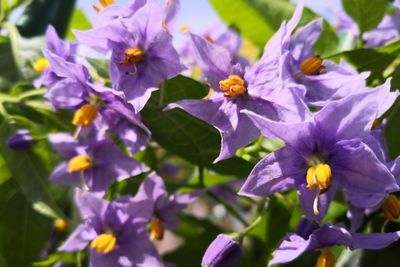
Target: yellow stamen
79, 163
184, 28
210, 39
132, 56
319, 176
233, 86
156, 229
106, 3
41, 64
104, 243
85, 115
391, 208
312, 65
326, 259
60, 225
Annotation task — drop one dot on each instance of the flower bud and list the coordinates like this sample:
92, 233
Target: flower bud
391, 208
21, 140
224, 251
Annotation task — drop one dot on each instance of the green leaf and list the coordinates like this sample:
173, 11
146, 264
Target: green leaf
23, 232
392, 131
78, 22
374, 60
257, 20
184, 135
8, 68
28, 171
366, 13
244, 18
328, 41
5, 174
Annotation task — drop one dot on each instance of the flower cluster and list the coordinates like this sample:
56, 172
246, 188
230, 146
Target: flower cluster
324, 111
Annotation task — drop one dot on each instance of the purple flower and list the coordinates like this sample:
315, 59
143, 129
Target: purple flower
21, 140
166, 207
325, 154
224, 251
388, 30
115, 232
227, 39
328, 235
142, 52
75, 90
58, 47
95, 162
323, 80
233, 89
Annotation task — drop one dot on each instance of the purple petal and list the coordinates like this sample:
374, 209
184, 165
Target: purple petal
374, 241
60, 175
362, 175
305, 39
277, 172
79, 239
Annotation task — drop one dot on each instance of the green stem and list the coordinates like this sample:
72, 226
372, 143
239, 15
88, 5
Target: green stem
78, 259
201, 176
360, 41
228, 207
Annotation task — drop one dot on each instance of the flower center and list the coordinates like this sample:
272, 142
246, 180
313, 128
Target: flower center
132, 56
156, 229
60, 225
104, 243
326, 259
391, 208
85, 115
41, 64
79, 163
312, 66
233, 86
319, 176
104, 4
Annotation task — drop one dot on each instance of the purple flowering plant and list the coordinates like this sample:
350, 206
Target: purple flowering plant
137, 138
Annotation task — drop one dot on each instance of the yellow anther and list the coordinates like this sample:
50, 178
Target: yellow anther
60, 225
312, 65
156, 229
326, 259
106, 3
79, 163
391, 208
210, 39
104, 243
184, 28
41, 64
85, 115
233, 86
132, 56
319, 176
